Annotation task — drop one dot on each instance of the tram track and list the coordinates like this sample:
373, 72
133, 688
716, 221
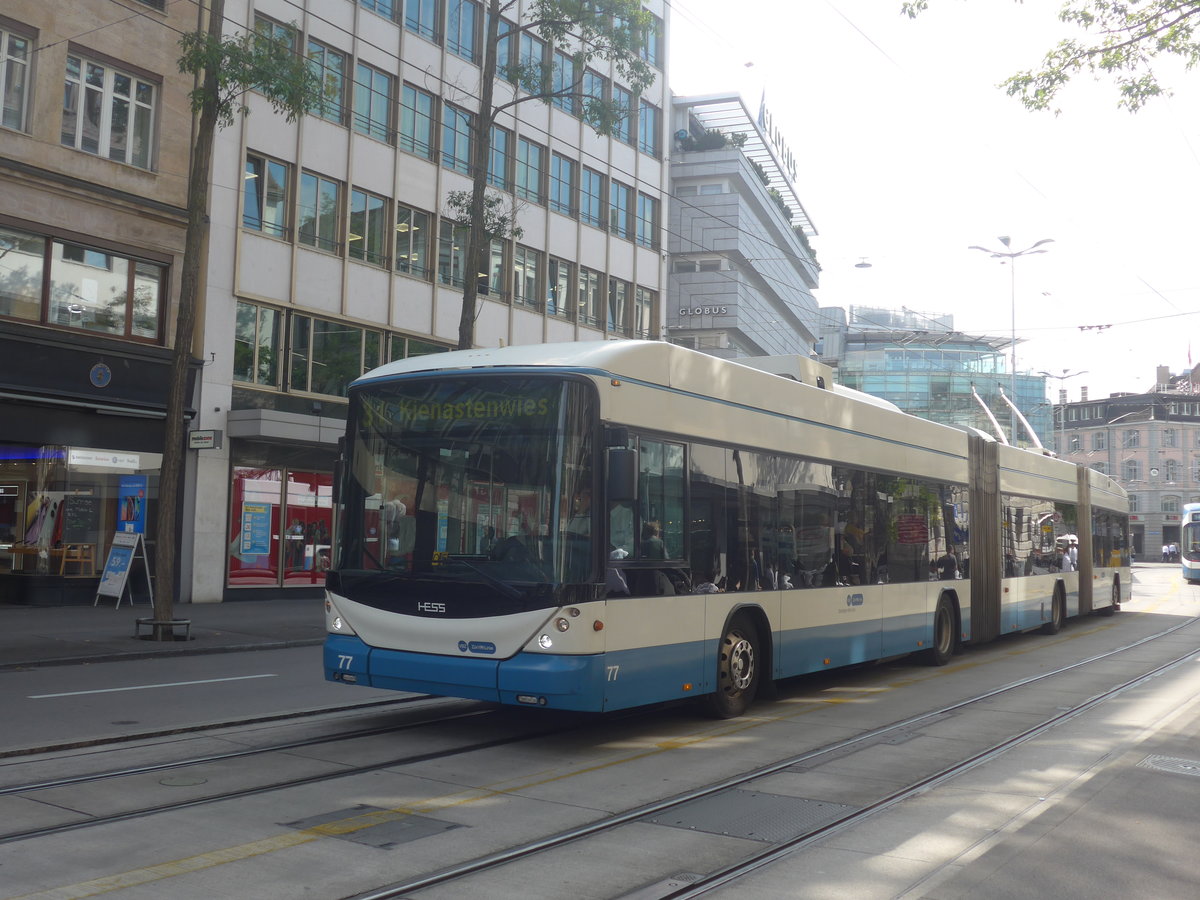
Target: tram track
104, 741
698, 885
341, 771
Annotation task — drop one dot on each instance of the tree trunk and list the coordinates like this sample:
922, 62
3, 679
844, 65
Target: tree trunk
481, 146
166, 536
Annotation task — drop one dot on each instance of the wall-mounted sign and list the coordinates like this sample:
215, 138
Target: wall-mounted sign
205, 439
110, 459
704, 310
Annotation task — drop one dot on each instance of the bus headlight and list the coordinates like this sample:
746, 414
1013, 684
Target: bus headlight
545, 642
335, 622
562, 624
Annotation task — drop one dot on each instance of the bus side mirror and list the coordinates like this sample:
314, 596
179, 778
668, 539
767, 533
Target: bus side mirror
622, 475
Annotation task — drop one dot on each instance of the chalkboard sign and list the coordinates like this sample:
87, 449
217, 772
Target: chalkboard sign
81, 519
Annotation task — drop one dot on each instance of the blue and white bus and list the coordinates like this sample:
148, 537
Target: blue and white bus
597, 526
1189, 543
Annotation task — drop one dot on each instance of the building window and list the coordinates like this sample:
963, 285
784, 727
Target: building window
420, 17
385, 8
1170, 504
594, 88
14, 79
456, 139
257, 345
591, 198
618, 306
589, 297
23, 258
562, 184
499, 157
106, 293
366, 236
1074, 443
284, 35
412, 241
532, 63
645, 302
491, 271
505, 48
559, 282
265, 203
527, 269
1170, 470
326, 355
1100, 467
319, 212
462, 17
416, 121
1133, 503
1195, 459
1168, 437
717, 187
619, 209
330, 66
647, 220
531, 164
1099, 440
404, 348
1131, 470
562, 82
1131, 439
452, 253
373, 102
107, 112
649, 128
623, 100
650, 48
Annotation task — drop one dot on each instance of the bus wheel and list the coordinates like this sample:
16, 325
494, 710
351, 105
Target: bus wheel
943, 634
1057, 613
1115, 606
737, 671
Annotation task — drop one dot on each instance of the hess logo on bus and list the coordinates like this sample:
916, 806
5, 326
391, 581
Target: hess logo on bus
426, 606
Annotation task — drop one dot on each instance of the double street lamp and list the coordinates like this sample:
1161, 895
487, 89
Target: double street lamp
1009, 254
1062, 406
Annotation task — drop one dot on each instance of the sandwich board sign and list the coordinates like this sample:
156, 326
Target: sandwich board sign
127, 547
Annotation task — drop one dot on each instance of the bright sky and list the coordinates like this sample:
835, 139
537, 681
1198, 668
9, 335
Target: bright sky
907, 153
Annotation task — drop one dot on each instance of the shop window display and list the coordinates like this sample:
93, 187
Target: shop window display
60, 507
280, 527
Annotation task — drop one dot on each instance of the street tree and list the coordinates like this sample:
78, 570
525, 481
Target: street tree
582, 31
225, 68
1120, 39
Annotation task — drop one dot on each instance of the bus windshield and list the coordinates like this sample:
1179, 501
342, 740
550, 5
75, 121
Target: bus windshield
1189, 547
477, 479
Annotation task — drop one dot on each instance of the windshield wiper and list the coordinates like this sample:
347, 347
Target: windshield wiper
503, 586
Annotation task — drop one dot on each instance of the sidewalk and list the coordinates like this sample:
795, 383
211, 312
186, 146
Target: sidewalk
58, 635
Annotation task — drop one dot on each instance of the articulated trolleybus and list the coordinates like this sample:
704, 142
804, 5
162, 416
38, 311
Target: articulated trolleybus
1189, 544
596, 526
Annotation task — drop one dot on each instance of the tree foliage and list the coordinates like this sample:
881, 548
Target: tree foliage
1120, 40
585, 30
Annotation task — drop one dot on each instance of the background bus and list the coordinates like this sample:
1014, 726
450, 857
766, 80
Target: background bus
1189, 543
603, 525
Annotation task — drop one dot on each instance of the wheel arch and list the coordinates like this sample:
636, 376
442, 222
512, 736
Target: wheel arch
757, 617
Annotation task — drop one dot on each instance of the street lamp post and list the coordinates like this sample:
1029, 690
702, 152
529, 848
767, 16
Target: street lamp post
1011, 255
1062, 406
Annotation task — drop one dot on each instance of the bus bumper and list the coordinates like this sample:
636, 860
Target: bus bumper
527, 679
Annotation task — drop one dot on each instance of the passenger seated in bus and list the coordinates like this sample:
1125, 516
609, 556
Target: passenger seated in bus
707, 585
652, 543
948, 565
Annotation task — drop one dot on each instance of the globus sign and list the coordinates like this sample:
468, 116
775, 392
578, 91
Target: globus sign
703, 310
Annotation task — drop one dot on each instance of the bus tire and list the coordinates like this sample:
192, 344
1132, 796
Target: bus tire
944, 628
1057, 613
1114, 607
738, 670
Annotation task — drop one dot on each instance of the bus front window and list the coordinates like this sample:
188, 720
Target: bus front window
481, 479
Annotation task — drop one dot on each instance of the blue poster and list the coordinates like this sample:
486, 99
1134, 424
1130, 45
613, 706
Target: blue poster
256, 529
131, 503
116, 570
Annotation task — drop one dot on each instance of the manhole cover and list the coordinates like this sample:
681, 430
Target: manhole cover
1172, 764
